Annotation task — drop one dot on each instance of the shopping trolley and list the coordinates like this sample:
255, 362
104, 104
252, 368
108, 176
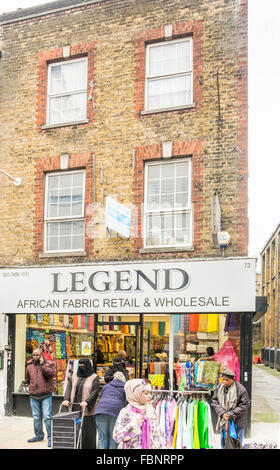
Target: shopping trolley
67, 429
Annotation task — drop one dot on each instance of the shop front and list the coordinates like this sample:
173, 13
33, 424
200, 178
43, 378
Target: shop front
179, 322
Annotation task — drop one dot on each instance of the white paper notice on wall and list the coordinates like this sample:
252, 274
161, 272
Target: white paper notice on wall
86, 348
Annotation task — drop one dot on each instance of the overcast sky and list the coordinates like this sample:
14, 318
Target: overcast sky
264, 129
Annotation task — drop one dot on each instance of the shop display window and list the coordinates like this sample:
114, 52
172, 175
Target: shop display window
203, 344
200, 345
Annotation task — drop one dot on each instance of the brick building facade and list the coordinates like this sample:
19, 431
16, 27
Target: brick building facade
112, 36
144, 101
270, 325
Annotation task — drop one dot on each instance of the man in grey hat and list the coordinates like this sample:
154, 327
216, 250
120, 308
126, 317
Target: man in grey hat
231, 402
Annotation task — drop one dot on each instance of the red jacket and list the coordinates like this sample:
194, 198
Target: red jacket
39, 377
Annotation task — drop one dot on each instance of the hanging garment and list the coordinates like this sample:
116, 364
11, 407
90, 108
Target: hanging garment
161, 328
213, 323
155, 328
176, 323
231, 322
228, 358
193, 322
203, 323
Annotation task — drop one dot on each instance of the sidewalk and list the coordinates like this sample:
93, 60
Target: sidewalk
15, 430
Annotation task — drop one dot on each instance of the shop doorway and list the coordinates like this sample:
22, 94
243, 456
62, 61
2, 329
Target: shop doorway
116, 333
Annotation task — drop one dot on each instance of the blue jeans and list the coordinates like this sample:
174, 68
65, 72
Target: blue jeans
41, 410
105, 425
240, 433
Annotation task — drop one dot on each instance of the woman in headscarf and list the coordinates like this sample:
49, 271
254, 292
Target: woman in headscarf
137, 426
83, 389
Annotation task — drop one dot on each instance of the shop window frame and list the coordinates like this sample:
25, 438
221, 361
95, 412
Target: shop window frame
48, 220
149, 78
66, 93
188, 209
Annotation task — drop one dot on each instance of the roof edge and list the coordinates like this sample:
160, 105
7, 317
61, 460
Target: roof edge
48, 12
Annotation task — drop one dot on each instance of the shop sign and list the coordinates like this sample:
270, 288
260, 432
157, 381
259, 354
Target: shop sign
197, 286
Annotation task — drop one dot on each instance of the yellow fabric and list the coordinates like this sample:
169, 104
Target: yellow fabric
155, 328
213, 323
203, 322
167, 327
175, 429
196, 444
157, 380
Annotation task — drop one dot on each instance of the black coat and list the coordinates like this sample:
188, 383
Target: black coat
240, 413
115, 367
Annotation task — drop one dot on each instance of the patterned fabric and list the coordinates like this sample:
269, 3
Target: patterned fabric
127, 432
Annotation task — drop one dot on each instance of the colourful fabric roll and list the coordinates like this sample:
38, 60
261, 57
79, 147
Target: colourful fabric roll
148, 325
155, 328
213, 323
83, 325
203, 322
193, 322
75, 322
161, 328
176, 323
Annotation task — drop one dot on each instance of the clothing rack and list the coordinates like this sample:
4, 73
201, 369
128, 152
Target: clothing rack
186, 392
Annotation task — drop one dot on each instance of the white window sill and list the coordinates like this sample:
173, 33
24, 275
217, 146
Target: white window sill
64, 124
162, 110
62, 254
166, 249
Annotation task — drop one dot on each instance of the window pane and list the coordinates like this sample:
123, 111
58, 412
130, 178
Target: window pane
181, 185
65, 243
168, 170
78, 242
68, 77
181, 200
182, 168
66, 180
67, 108
169, 58
168, 185
53, 229
169, 92
167, 201
153, 187
153, 202
153, 172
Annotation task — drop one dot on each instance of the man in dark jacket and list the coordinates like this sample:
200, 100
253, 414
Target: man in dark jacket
39, 377
231, 402
117, 366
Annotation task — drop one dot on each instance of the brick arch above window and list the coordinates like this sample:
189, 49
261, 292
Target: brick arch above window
56, 55
52, 164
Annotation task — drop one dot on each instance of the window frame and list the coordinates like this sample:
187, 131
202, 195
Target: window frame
71, 218
60, 94
188, 209
170, 75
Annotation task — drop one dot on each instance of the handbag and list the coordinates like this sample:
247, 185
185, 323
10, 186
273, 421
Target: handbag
232, 439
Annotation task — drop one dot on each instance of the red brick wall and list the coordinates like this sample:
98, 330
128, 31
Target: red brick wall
45, 165
193, 29
56, 55
192, 148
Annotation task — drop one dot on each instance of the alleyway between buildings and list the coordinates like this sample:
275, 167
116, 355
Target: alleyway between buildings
15, 430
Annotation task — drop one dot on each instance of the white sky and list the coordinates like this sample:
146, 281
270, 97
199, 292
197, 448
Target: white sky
264, 129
